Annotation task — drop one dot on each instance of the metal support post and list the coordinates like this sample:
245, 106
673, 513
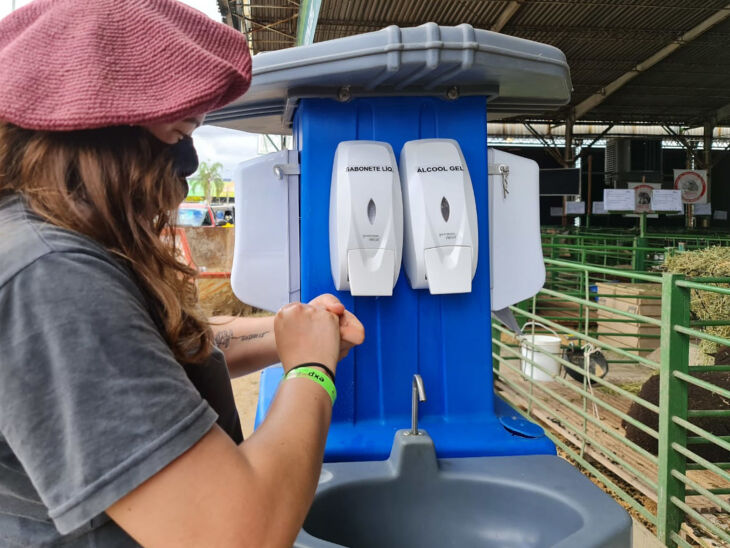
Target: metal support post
673, 402
639, 262
589, 203
707, 146
568, 157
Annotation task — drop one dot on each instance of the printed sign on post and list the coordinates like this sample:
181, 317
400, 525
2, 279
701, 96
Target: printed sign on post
598, 209
720, 215
619, 199
703, 209
693, 184
575, 208
643, 195
666, 200
556, 211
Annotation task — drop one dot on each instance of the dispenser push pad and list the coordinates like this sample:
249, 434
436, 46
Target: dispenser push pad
366, 219
441, 242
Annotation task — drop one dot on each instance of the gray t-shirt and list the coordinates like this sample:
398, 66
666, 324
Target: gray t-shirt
92, 400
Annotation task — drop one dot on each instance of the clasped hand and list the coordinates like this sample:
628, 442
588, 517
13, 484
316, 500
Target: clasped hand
321, 331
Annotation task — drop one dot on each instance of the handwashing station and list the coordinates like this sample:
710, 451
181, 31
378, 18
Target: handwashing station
393, 201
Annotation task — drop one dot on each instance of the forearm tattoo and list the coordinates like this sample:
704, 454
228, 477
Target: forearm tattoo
224, 338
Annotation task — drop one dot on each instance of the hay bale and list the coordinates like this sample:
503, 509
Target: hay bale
712, 262
216, 298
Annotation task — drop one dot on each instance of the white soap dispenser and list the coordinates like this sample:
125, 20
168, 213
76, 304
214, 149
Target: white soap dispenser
366, 219
441, 241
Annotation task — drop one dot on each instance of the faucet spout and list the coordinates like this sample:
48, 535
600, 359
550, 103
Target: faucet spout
419, 394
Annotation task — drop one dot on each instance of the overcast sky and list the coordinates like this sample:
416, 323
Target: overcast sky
229, 147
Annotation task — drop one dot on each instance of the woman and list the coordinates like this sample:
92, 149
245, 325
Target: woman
117, 423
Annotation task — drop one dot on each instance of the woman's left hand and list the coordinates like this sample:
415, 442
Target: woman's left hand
352, 332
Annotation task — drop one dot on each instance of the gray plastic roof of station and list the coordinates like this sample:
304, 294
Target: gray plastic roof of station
515, 75
645, 61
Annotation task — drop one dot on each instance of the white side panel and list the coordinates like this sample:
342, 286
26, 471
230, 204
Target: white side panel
515, 251
266, 254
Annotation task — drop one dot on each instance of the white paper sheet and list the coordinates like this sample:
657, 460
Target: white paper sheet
666, 200
619, 199
598, 209
575, 208
703, 209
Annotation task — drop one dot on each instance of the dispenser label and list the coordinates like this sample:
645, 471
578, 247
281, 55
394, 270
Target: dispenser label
437, 169
372, 238
373, 168
447, 236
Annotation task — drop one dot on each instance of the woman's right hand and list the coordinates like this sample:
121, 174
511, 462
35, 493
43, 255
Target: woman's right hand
306, 333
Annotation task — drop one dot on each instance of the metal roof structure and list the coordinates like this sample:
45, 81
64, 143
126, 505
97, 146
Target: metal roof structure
638, 61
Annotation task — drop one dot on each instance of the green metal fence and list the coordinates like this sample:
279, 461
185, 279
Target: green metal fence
603, 249
637, 250
661, 473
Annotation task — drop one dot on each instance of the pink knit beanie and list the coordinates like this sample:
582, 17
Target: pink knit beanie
67, 65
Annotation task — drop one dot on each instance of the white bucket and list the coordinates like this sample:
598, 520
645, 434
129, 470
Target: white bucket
544, 345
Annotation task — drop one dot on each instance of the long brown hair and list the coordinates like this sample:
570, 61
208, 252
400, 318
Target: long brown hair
115, 185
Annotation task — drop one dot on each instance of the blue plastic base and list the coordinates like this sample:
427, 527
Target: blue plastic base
502, 434
444, 338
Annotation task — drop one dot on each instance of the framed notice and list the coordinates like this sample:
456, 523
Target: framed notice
643, 192
575, 208
693, 184
667, 200
619, 199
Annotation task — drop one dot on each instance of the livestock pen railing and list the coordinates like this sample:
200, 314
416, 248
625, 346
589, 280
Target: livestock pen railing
603, 249
640, 250
650, 430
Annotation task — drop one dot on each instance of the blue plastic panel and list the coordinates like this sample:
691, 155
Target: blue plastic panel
445, 338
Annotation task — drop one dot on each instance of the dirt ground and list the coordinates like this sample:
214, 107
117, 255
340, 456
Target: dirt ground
246, 393
212, 251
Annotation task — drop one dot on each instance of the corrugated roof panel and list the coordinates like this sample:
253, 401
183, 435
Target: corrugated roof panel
602, 40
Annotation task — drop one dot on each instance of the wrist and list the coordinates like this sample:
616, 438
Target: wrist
317, 375
317, 366
289, 364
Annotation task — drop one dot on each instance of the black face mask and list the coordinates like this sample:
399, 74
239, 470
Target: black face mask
184, 157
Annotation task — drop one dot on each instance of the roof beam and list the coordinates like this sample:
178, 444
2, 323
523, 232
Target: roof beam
597, 98
721, 113
506, 15
307, 26
271, 26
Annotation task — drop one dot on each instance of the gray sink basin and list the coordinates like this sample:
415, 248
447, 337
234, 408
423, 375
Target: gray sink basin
415, 500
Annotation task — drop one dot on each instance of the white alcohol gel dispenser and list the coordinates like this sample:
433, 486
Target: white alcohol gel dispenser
366, 219
441, 242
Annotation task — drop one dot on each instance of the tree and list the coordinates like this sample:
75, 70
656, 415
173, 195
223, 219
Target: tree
208, 180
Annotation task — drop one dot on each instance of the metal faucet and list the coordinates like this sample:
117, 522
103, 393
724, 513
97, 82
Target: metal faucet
419, 394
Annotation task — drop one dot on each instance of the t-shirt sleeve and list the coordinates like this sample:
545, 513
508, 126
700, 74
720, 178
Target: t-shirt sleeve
92, 400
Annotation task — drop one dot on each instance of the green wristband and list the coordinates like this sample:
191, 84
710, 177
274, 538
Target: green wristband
317, 376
